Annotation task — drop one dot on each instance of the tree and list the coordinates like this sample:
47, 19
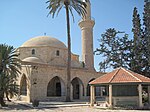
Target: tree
146, 36
114, 49
134, 53
9, 70
137, 45
79, 6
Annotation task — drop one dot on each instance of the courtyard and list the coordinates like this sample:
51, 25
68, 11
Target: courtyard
68, 77
25, 107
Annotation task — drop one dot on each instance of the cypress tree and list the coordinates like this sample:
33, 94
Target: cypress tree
132, 54
146, 35
136, 50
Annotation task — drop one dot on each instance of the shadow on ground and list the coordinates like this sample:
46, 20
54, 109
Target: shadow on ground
17, 106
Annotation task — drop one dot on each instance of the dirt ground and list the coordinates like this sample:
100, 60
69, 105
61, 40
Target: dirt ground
15, 107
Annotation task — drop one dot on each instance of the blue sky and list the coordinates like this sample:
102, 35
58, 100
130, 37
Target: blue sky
21, 20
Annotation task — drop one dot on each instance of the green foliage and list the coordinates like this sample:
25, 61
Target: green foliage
132, 54
137, 45
35, 103
114, 49
140, 62
55, 7
9, 70
146, 36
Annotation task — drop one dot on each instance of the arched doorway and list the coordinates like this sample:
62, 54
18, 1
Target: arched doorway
55, 87
88, 88
99, 91
77, 87
23, 85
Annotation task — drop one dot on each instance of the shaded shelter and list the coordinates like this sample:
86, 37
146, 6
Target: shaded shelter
124, 87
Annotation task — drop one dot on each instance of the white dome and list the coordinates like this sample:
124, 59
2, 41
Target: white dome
32, 60
44, 41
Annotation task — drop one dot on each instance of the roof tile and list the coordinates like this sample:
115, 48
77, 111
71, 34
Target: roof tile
121, 75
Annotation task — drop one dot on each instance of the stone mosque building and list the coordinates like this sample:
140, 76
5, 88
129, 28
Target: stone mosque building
44, 66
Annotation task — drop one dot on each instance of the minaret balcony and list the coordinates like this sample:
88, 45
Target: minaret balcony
84, 19
87, 23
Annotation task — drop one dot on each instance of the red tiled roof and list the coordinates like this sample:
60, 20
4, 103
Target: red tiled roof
121, 75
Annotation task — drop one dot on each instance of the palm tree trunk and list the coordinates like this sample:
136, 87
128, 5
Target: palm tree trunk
7, 97
2, 99
69, 55
2, 92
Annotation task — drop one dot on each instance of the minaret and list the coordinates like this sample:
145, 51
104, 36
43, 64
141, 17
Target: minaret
86, 25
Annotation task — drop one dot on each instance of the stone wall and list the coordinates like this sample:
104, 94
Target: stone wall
41, 75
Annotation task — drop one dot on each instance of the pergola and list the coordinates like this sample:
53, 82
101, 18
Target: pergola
120, 76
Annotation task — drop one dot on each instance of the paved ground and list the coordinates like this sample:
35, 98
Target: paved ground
15, 107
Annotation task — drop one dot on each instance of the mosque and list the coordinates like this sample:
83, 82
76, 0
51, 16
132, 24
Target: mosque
44, 66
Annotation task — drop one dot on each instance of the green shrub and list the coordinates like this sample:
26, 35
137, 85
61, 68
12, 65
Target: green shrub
35, 103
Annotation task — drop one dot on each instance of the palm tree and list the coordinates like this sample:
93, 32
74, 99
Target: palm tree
9, 70
79, 6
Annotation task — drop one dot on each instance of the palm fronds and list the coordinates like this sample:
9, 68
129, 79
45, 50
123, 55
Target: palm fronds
56, 5
9, 70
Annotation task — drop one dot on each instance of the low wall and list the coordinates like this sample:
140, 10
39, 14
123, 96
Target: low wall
24, 98
62, 98
125, 100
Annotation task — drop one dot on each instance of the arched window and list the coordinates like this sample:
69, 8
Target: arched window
33, 51
57, 53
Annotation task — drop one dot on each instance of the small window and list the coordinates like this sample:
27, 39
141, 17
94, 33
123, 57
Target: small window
57, 53
33, 51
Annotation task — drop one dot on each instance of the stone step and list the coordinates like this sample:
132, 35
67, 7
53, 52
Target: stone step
102, 104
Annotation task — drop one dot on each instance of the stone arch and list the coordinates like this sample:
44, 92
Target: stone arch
23, 85
97, 89
56, 87
77, 88
88, 87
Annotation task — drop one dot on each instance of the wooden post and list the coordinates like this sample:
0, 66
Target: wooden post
110, 95
92, 95
101, 90
149, 94
140, 95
